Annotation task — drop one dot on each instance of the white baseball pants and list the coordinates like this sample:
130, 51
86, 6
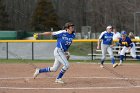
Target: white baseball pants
60, 58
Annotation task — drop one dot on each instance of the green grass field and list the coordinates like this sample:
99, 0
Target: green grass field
81, 49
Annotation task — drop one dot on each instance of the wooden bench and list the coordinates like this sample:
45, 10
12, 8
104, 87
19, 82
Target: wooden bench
98, 53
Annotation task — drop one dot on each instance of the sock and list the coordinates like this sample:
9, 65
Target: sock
121, 57
113, 61
61, 73
121, 61
137, 57
44, 70
102, 62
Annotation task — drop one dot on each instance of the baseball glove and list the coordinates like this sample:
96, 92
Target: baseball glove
67, 54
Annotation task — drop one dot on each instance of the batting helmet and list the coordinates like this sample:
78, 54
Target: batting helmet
123, 33
67, 25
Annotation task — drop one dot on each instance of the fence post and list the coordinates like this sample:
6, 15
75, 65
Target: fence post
32, 50
91, 50
7, 50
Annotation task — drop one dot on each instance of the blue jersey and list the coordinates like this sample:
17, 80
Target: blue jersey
64, 39
126, 42
106, 37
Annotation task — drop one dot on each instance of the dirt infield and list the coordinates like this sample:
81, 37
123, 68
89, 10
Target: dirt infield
80, 78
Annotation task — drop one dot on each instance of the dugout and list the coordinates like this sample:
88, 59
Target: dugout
8, 35
14, 35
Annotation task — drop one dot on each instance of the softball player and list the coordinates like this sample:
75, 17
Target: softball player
106, 45
116, 35
127, 46
64, 40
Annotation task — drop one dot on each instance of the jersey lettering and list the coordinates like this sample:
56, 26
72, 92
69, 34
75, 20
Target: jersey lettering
124, 43
127, 42
106, 37
64, 39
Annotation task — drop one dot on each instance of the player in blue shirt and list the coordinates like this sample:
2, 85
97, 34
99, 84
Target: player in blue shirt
64, 40
106, 45
127, 46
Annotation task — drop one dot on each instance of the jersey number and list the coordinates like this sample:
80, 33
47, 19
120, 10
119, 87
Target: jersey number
68, 43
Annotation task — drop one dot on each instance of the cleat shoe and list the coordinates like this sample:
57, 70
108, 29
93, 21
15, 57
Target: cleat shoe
36, 73
59, 81
115, 65
102, 66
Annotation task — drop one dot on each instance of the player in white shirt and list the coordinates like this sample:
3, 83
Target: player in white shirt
116, 35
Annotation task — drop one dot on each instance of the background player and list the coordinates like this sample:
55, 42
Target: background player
131, 35
106, 45
116, 35
127, 46
64, 40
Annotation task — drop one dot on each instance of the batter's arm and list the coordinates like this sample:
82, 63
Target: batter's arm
112, 44
98, 43
99, 40
130, 45
129, 48
45, 33
38, 35
119, 50
119, 45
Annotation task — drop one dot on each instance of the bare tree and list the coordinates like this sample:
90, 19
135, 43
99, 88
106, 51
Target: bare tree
4, 18
95, 13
